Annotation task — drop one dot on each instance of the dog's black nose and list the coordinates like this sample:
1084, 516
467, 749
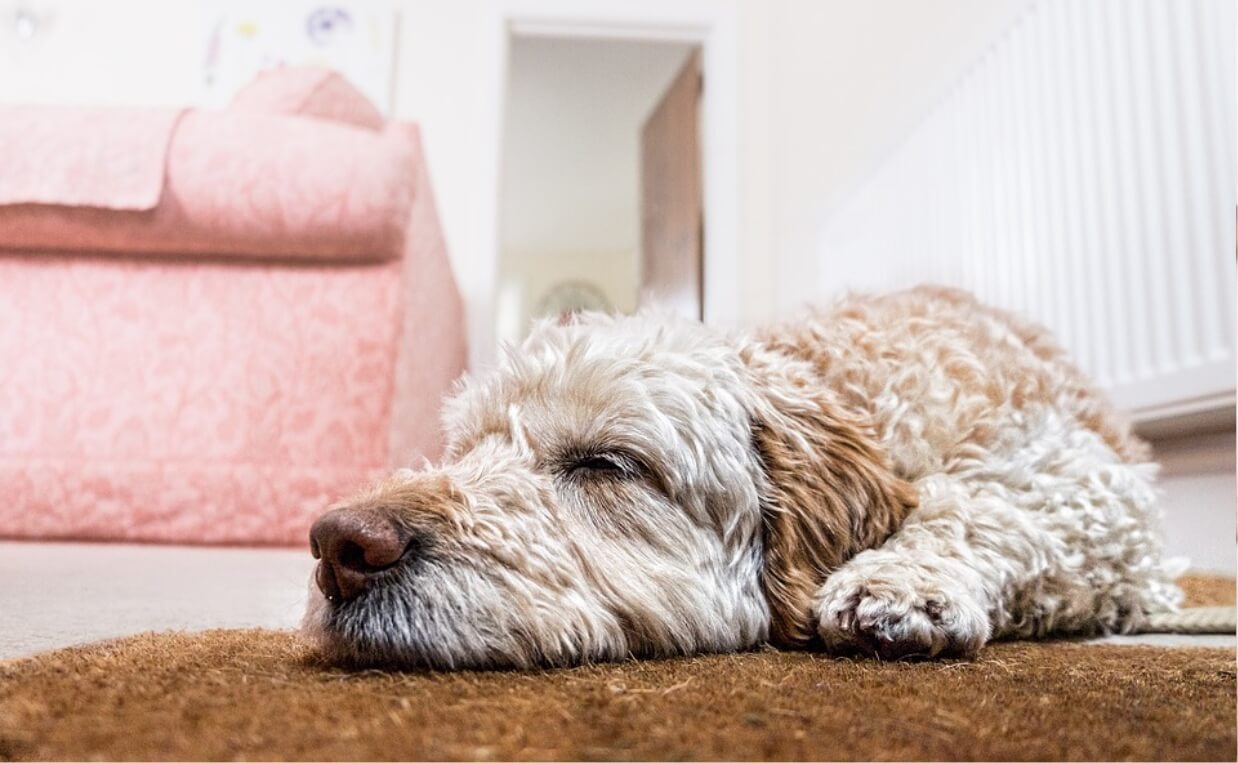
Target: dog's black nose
353, 545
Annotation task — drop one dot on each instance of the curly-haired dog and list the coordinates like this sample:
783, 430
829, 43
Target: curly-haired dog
911, 474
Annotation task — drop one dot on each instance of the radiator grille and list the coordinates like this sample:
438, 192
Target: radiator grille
1083, 174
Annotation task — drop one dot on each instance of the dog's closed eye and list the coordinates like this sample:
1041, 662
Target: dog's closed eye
596, 464
602, 464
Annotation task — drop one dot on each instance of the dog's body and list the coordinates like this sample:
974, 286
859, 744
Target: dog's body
912, 474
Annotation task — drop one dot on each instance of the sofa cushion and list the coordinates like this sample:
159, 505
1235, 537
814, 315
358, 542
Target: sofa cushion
308, 91
83, 156
249, 185
201, 400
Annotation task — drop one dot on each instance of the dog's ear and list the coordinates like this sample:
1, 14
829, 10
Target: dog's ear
830, 492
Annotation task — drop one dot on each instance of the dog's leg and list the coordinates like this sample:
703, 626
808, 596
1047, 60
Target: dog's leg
924, 591
942, 584
1058, 540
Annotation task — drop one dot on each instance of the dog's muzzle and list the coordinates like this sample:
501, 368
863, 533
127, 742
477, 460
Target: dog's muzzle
355, 547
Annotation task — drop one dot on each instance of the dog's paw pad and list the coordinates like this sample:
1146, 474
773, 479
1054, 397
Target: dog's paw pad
894, 620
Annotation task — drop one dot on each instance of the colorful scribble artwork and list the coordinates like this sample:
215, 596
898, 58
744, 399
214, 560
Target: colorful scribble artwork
328, 24
355, 38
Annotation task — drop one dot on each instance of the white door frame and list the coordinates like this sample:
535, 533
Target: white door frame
708, 23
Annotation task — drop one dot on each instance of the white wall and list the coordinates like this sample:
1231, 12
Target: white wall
830, 87
1198, 489
114, 52
440, 74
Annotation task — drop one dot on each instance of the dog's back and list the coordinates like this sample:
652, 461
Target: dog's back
939, 374
1010, 449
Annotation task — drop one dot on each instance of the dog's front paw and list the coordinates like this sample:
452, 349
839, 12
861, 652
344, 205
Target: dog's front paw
894, 611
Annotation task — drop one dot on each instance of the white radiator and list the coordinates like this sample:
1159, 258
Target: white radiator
1082, 173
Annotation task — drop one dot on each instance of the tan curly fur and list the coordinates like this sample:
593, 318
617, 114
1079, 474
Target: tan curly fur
904, 474
831, 495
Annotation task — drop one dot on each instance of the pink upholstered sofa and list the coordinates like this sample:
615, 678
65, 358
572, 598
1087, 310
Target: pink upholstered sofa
213, 323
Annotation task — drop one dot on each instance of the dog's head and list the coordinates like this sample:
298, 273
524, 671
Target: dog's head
620, 487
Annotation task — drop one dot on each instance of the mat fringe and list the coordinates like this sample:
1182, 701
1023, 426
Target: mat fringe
1193, 620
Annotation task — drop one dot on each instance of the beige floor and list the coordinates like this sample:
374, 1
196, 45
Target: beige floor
59, 594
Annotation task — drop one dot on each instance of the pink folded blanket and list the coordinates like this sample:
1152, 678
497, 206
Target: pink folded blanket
231, 184
91, 157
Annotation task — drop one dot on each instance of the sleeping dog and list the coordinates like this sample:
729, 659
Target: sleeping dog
910, 474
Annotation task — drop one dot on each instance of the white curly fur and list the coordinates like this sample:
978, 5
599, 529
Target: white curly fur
1035, 515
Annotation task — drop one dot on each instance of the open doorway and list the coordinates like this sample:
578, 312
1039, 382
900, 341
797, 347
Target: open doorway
601, 200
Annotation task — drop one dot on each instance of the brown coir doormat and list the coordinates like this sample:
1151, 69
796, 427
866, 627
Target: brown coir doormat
260, 695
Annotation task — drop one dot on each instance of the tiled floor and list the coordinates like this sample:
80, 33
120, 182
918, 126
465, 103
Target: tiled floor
58, 594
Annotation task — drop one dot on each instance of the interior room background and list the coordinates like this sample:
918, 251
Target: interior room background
1063, 159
